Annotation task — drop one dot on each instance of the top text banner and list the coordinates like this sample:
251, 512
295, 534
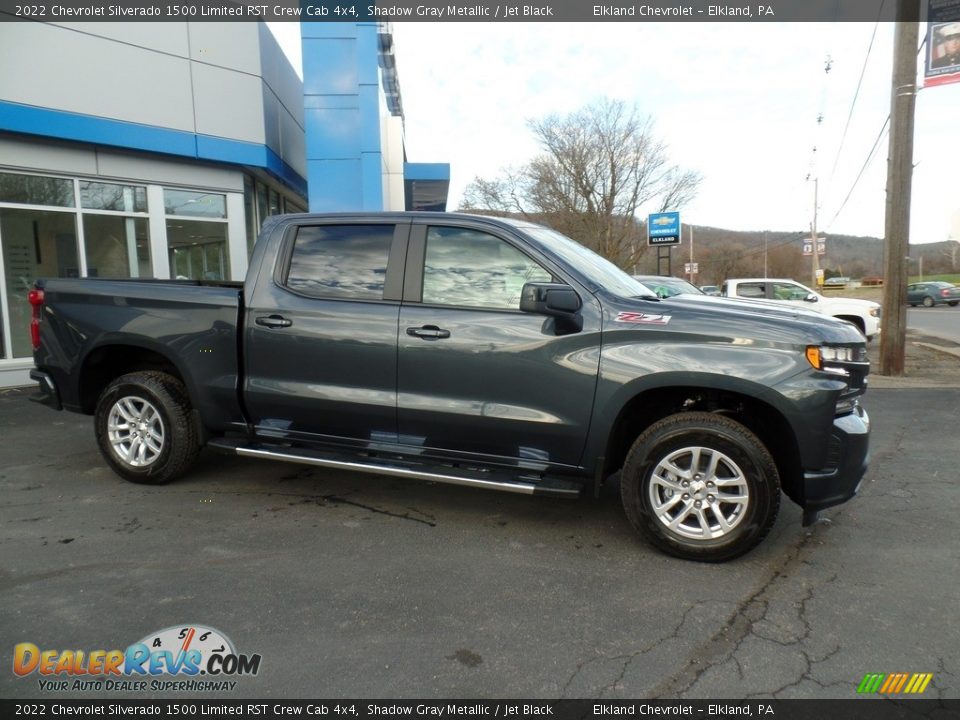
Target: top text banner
446, 11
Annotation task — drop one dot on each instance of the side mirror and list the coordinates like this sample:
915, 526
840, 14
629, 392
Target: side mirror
559, 302
811, 298
550, 299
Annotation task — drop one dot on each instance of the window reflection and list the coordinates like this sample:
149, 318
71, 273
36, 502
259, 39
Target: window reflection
109, 196
117, 247
36, 244
473, 269
198, 250
194, 204
36, 190
341, 261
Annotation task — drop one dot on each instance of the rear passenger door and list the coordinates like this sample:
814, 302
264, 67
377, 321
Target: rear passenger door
321, 333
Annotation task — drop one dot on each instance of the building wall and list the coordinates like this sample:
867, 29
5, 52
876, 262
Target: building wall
193, 130
213, 91
354, 136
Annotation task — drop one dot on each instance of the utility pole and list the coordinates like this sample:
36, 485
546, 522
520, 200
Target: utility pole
893, 326
815, 264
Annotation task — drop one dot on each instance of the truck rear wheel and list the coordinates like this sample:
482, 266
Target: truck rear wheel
144, 429
700, 486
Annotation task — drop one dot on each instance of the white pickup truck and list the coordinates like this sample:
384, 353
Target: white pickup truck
865, 314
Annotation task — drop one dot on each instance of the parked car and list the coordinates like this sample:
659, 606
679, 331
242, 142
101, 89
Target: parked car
933, 293
484, 352
863, 314
710, 290
667, 286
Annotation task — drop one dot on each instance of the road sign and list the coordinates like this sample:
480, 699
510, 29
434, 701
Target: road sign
821, 246
691, 268
663, 228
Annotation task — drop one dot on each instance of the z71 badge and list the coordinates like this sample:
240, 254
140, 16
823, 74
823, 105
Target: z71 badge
643, 318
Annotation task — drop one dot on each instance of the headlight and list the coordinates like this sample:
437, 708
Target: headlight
874, 312
817, 355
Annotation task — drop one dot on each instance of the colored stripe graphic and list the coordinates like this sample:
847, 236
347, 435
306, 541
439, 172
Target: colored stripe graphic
894, 683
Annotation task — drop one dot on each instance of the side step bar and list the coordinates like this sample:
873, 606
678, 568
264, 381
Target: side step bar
548, 487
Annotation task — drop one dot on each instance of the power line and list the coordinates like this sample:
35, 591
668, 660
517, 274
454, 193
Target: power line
870, 156
856, 93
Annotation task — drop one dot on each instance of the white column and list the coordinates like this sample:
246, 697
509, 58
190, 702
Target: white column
158, 233
237, 236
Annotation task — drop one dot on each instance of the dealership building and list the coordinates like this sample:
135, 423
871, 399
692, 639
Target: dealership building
161, 148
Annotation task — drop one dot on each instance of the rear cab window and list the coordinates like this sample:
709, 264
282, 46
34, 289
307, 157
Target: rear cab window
340, 261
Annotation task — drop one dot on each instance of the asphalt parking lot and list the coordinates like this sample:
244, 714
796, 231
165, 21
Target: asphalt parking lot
363, 587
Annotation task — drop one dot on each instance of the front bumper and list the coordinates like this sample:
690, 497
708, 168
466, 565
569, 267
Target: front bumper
848, 457
47, 393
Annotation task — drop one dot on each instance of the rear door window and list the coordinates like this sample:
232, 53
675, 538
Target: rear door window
752, 290
340, 261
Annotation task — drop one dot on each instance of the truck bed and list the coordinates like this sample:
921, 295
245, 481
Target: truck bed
189, 324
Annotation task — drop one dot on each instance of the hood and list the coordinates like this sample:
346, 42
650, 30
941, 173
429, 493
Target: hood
740, 318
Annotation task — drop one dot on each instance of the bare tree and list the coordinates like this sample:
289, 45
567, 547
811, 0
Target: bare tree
951, 251
785, 261
598, 168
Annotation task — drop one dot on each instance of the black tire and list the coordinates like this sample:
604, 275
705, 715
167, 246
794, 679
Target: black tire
159, 402
737, 450
928, 301
953, 303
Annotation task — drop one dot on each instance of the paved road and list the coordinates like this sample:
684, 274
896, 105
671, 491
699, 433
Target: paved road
354, 586
941, 321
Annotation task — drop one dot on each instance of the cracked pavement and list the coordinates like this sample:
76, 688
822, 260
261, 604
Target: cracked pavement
359, 586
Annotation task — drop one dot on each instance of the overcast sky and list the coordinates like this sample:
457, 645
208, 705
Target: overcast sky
737, 102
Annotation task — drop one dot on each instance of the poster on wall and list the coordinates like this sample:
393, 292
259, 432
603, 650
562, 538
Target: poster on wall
942, 48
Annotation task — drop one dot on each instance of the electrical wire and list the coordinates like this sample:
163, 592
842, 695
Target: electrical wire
870, 156
856, 93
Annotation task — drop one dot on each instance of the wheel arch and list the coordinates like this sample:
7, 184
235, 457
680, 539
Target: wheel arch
108, 361
742, 403
854, 320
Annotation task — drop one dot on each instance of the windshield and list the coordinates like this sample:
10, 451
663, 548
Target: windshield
667, 286
598, 270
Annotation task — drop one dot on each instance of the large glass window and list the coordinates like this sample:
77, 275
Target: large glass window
198, 250
109, 196
36, 190
341, 261
36, 244
117, 247
473, 269
188, 203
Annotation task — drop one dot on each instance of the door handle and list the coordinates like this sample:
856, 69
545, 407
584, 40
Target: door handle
428, 332
273, 321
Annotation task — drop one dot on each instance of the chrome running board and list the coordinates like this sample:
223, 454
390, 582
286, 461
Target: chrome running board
450, 475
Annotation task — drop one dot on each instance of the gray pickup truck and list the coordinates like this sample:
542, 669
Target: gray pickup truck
479, 351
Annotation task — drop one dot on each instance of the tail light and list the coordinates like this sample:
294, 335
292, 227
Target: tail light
35, 298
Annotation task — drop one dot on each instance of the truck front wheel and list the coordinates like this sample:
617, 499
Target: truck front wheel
144, 429
700, 486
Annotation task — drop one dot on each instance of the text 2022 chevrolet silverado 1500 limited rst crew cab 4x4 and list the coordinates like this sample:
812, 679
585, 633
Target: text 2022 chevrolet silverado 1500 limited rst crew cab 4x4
478, 351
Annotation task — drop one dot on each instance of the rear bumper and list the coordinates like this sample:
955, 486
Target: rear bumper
848, 457
47, 393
